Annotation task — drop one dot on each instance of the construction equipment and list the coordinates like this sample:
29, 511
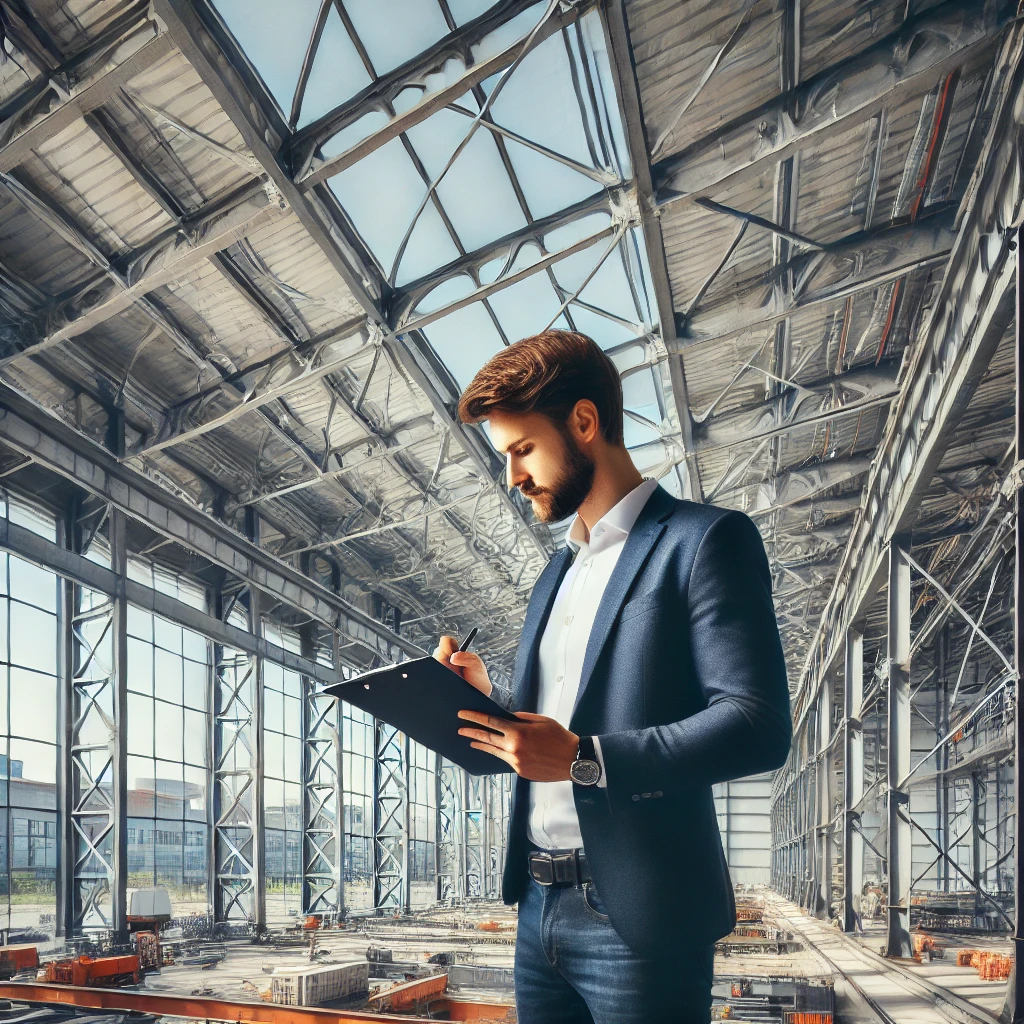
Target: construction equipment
102, 972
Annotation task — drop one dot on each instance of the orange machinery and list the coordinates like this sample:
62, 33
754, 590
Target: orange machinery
101, 972
18, 958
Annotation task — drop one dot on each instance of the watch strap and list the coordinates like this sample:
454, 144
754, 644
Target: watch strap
587, 751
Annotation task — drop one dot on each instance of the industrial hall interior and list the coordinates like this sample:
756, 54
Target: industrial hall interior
253, 252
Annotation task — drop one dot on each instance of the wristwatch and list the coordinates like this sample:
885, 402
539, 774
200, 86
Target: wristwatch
586, 769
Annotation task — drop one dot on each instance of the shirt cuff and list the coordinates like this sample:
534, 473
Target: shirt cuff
600, 760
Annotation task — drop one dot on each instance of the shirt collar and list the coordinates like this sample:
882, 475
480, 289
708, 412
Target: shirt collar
615, 524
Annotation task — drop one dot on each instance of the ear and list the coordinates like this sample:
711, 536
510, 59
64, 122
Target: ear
584, 421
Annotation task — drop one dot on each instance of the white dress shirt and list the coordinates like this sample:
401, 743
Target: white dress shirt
551, 820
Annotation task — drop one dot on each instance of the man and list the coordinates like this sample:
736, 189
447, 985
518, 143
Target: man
649, 667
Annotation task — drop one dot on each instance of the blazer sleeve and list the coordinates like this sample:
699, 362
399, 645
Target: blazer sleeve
737, 654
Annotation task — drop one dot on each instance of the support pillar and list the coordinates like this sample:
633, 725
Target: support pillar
322, 802
898, 839
824, 822
942, 757
1013, 1008
853, 777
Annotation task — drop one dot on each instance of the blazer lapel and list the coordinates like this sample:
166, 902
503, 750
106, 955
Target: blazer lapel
646, 532
541, 599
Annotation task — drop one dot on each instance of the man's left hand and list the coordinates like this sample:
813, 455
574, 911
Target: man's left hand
537, 747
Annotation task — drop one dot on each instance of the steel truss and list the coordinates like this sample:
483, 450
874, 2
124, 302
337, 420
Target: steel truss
95, 747
323, 794
391, 889
899, 780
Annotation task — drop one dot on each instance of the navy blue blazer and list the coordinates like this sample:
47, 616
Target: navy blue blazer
684, 681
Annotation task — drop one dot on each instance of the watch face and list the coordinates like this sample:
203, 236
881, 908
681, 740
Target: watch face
585, 772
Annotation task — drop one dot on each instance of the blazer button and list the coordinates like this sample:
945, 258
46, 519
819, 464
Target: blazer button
636, 796
657, 792
645, 795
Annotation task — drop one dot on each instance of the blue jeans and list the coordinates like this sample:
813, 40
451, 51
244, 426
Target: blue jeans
573, 968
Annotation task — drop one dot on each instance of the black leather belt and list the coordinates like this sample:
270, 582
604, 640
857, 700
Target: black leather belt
559, 867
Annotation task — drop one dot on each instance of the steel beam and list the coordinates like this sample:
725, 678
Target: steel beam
898, 834
401, 308
85, 81
28, 429
302, 150
911, 60
974, 308
254, 388
159, 263
628, 92
263, 132
794, 405
855, 264
853, 778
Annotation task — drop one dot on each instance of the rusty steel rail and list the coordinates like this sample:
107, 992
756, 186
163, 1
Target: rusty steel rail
194, 1007
197, 1007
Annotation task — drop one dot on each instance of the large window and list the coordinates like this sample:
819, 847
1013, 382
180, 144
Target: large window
28, 739
422, 824
282, 788
357, 776
168, 748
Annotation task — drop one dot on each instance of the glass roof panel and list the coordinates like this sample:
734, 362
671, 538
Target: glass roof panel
606, 332
452, 290
354, 133
394, 31
539, 102
275, 45
576, 230
526, 307
596, 47
608, 289
634, 433
466, 10
381, 194
547, 185
337, 72
504, 35
476, 192
465, 340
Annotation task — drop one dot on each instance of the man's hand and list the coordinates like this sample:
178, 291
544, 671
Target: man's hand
468, 665
538, 748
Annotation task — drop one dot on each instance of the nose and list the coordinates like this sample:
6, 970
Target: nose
513, 474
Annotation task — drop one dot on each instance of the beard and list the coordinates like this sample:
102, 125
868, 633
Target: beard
564, 497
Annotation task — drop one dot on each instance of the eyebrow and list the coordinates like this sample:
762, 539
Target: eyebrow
508, 448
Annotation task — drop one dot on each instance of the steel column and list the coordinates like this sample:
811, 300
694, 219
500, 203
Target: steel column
898, 837
824, 822
1013, 1009
96, 780
942, 756
322, 824
390, 836
853, 777
238, 807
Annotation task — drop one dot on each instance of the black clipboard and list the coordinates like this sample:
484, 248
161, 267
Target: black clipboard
423, 698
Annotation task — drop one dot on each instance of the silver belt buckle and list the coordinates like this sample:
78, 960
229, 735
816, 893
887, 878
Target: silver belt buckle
539, 858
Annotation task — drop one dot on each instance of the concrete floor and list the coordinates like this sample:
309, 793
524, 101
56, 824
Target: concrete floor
910, 993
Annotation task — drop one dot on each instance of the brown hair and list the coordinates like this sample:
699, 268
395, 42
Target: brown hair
547, 373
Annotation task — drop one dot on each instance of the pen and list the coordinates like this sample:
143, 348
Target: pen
469, 639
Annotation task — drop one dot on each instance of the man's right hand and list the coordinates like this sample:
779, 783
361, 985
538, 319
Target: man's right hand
469, 665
